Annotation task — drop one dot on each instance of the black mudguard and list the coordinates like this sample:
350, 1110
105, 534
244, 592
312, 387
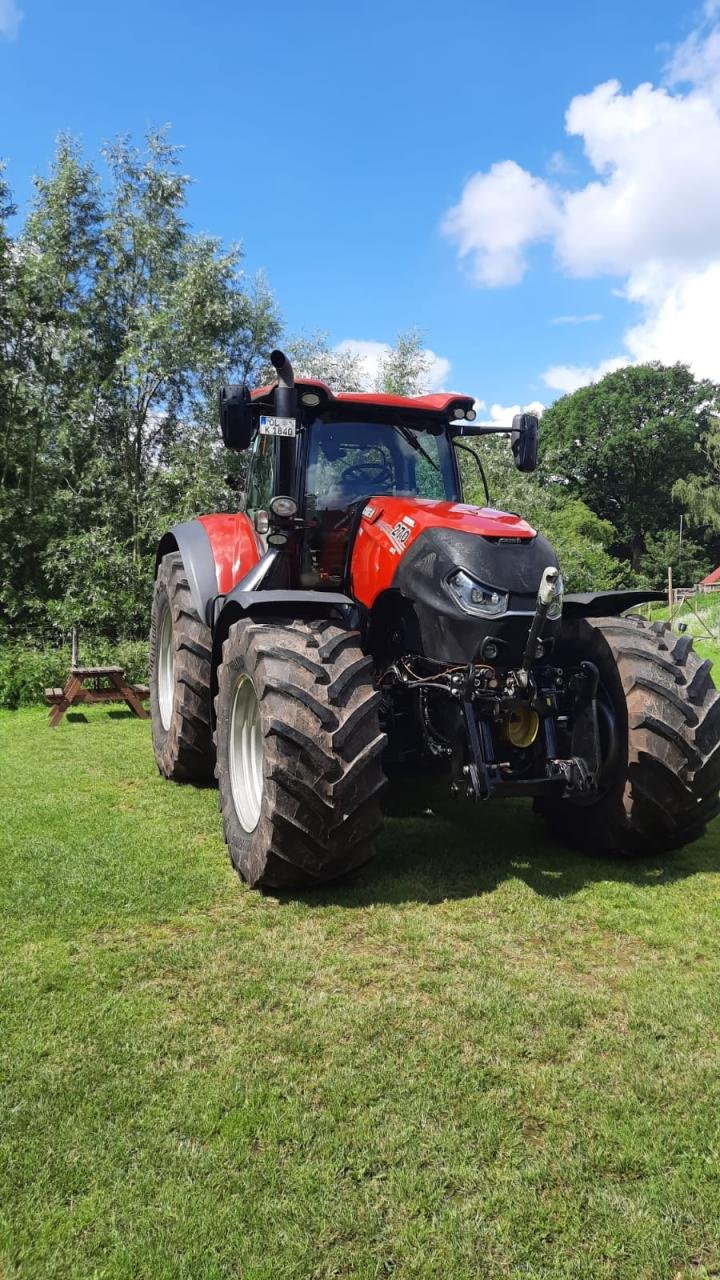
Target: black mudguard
275, 603
606, 604
192, 541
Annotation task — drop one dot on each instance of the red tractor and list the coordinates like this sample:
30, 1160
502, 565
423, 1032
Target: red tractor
357, 614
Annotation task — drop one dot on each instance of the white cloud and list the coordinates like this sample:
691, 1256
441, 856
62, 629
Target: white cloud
650, 215
697, 60
559, 163
588, 319
371, 355
501, 415
568, 377
10, 18
499, 214
681, 323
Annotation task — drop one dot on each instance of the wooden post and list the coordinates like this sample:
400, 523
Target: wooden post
670, 591
74, 659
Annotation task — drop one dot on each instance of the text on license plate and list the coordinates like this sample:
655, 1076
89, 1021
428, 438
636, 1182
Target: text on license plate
271, 426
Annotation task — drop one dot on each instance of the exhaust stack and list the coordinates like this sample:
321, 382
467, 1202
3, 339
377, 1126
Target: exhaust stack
285, 392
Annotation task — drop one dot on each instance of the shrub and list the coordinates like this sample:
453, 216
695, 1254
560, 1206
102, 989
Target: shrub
26, 672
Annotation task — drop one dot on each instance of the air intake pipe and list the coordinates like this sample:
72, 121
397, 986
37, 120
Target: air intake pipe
285, 391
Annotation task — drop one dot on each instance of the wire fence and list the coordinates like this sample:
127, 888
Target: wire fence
694, 610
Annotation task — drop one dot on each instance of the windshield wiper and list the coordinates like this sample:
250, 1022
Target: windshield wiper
414, 443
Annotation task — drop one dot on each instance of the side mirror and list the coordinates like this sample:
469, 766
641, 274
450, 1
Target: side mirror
237, 421
524, 441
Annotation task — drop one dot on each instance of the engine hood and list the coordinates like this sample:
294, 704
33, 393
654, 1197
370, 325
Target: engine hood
389, 528
406, 549
426, 513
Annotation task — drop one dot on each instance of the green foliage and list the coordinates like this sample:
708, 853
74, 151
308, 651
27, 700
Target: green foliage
699, 495
26, 672
313, 357
623, 443
123, 323
404, 370
689, 560
582, 541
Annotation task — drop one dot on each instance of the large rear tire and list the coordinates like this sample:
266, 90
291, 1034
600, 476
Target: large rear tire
298, 752
180, 655
660, 727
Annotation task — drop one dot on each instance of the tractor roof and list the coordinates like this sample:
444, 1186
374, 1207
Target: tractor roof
439, 402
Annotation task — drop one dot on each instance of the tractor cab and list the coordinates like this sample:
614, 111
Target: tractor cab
325, 456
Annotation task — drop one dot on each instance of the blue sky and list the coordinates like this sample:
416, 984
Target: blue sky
333, 140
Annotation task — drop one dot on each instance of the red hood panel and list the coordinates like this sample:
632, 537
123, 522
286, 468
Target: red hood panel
390, 525
427, 513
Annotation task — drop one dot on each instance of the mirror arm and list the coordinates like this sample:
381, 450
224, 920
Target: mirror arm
471, 430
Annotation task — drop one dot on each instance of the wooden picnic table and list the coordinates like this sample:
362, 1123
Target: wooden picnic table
96, 684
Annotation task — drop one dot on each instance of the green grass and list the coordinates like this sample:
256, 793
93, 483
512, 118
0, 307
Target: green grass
708, 649
485, 1058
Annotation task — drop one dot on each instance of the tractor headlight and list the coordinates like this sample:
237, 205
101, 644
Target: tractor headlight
556, 604
475, 597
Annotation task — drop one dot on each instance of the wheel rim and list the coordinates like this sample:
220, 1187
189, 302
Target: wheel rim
166, 668
246, 754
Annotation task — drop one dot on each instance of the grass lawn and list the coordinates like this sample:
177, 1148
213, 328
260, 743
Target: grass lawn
485, 1058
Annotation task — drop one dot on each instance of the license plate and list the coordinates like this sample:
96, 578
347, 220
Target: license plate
271, 426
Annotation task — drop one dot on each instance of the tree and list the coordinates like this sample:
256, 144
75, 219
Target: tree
689, 560
404, 370
49, 368
123, 324
313, 357
699, 495
622, 444
7, 274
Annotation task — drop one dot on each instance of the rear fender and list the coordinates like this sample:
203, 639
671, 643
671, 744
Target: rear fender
217, 551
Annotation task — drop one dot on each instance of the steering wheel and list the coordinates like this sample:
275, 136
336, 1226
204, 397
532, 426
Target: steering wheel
371, 473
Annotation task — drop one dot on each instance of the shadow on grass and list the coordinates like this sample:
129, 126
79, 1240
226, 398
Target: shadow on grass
434, 849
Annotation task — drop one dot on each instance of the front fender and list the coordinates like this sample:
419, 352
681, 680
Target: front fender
606, 604
281, 603
192, 541
217, 551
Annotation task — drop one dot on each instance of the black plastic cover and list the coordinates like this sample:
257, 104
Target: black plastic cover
444, 631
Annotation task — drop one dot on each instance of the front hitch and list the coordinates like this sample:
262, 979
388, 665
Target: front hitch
576, 774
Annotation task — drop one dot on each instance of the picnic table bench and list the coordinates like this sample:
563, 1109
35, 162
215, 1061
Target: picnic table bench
96, 684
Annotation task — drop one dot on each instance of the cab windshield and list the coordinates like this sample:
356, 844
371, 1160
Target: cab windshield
349, 462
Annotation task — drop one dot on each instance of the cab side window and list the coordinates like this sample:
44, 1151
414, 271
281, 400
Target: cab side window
259, 490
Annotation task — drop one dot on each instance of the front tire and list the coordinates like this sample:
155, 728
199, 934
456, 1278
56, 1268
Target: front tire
298, 752
659, 786
180, 654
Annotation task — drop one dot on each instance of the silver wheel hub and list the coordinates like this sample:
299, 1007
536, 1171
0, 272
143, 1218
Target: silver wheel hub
246, 754
166, 668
